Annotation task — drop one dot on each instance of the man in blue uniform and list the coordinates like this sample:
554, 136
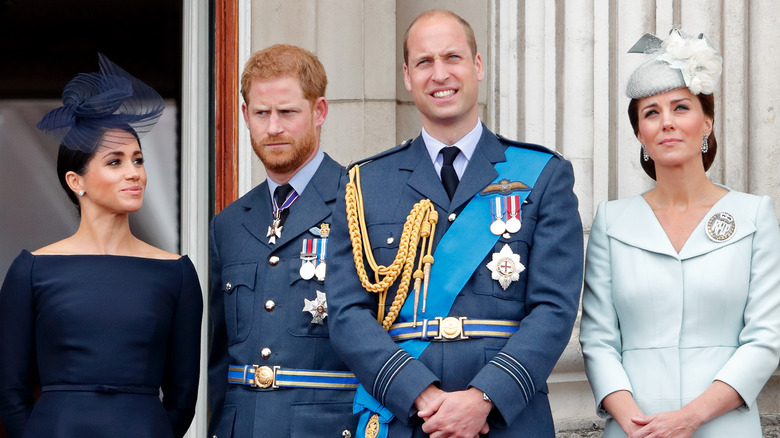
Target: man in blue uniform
492, 289
272, 369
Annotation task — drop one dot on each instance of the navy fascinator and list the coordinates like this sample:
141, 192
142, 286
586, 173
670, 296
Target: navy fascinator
95, 103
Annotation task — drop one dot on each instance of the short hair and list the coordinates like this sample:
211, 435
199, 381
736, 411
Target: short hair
708, 108
283, 60
467, 30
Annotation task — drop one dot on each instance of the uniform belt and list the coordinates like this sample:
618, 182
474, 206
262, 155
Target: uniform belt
453, 328
275, 377
108, 389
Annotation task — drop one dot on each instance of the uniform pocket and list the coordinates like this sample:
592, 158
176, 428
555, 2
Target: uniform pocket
516, 289
239, 288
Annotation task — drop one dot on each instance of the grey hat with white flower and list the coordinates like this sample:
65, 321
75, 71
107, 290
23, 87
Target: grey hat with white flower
679, 61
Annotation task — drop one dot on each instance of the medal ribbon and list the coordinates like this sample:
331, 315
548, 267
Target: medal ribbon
286, 204
323, 250
453, 267
513, 206
497, 208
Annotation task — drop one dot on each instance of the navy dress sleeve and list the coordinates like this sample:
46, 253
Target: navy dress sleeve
181, 374
17, 339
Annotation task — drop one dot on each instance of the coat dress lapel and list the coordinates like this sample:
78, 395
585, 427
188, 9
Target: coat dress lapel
641, 227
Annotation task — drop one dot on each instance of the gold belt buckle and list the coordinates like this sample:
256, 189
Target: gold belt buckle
265, 377
451, 328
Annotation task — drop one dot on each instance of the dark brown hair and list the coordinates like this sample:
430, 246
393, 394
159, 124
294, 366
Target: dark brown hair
708, 107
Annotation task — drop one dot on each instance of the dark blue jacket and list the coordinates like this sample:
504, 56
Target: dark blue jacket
545, 299
243, 326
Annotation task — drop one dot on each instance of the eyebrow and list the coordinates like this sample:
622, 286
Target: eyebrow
120, 153
652, 104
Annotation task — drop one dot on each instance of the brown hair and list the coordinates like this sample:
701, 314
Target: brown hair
472, 42
708, 107
282, 60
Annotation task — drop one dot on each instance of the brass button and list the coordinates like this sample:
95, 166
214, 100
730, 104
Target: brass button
273, 260
452, 217
270, 305
228, 286
265, 352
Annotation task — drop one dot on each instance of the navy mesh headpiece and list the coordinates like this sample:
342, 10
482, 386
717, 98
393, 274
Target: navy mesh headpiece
95, 103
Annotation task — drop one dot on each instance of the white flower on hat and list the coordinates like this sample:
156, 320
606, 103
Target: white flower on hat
699, 62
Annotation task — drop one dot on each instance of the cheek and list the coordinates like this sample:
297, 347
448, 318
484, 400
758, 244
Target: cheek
255, 127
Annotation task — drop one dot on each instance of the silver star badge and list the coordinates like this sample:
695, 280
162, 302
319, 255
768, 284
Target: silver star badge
274, 231
318, 308
505, 266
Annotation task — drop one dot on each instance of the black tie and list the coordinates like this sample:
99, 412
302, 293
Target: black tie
280, 195
448, 175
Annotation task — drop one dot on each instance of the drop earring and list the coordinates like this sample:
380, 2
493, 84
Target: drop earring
704, 145
645, 156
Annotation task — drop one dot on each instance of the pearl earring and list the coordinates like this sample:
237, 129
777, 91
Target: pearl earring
81, 192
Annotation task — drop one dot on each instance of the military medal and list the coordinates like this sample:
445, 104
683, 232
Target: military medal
320, 270
513, 224
497, 225
308, 257
721, 226
318, 308
505, 267
275, 229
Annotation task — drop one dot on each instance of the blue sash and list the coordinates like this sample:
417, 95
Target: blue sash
453, 267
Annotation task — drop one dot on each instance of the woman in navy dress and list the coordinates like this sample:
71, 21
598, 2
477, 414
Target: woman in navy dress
106, 323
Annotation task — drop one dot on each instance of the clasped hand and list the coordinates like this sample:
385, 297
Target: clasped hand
672, 424
459, 414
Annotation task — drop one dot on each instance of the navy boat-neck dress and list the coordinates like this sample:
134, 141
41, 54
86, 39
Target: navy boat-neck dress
113, 340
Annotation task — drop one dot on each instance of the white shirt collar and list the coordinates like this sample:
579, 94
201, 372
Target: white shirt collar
467, 146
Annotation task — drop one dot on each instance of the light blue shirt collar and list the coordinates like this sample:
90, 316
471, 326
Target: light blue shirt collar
467, 146
301, 179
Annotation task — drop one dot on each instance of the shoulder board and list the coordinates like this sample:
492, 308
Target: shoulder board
532, 146
384, 153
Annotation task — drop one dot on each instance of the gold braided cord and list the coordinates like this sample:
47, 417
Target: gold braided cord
420, 223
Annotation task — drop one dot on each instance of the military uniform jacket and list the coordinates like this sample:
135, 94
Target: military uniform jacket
262, 308
512, 372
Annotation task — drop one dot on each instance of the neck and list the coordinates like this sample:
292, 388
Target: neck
680, 187
450, 133
105, 234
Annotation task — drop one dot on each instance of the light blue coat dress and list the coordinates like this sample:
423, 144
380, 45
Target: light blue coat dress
664, 325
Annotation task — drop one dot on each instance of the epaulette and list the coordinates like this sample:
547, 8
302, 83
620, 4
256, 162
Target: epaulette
532, 146
404, 144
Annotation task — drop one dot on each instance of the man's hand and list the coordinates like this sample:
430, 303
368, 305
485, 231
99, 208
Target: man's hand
460, 414
428, 402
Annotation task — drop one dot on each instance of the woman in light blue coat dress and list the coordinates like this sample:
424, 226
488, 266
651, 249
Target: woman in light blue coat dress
681, 308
